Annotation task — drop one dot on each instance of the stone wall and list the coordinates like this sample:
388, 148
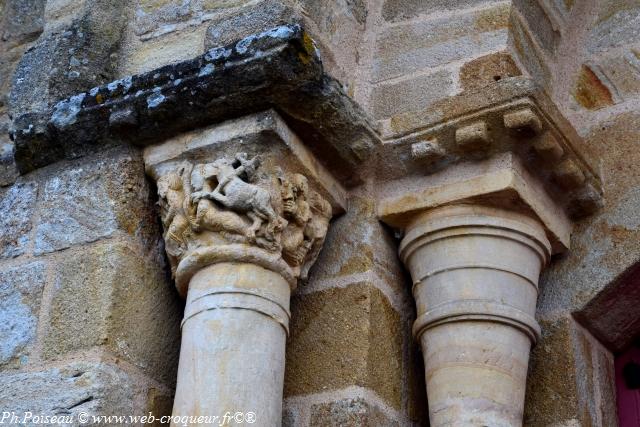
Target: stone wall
591, 71
88, 306
90, 321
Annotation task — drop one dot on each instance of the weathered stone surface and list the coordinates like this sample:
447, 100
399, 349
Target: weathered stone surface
20, 292
621, 73
93, 388
397, 10
70, 61
551, 383
527, 52
22, 20
590, 91
357, 242
539, 22
487, 69
8, 169
75, 209
595, 379
414, 94
139, 57
355, 9
607, 315
109, 296
342, 337
17, 205
619, 26
349, 412
159, 404
571, 379
414, 46
616, 227
60, 14
86, 201
289, 417
338, 28
253, 18
194, 93
153, 17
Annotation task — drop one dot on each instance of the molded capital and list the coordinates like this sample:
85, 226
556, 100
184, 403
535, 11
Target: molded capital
244, 191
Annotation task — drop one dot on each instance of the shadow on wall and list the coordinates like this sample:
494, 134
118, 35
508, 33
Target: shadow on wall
613, 317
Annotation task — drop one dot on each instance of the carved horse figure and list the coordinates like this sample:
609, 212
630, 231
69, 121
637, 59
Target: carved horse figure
238, 195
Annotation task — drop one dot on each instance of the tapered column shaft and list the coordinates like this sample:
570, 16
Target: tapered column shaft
233, 343
475, 272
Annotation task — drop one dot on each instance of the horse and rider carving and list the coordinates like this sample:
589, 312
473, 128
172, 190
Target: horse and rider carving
223, 197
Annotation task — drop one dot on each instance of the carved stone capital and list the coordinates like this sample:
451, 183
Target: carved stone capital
244, 191
513, 117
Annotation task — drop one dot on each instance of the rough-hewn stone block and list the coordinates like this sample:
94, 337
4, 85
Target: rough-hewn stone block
70, 60
590, 90
23, 20
357, 242
621, 72
87, 201
17, 204
276, 69
254, 18
350, 412
619, 26
571, 377
539, 23
531, 58
76, 209
414, 46
413, 94
79, 387
551, 384
8, 167
397, 10
20, 293
487, 70
164, 15
109, 296
342, 337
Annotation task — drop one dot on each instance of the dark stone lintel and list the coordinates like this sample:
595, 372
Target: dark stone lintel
279, 69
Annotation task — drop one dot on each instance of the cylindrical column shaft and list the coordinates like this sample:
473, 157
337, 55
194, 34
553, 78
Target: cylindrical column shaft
475, 272
233, 343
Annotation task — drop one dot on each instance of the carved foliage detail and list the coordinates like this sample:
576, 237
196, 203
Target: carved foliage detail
232, 201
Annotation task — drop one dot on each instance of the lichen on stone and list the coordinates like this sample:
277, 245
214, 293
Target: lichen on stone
155, 99
65, 112
206, 70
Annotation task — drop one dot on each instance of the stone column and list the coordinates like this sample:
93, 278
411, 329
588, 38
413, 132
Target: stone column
475, 281
476, 237
234, 332
237, 244
245, 210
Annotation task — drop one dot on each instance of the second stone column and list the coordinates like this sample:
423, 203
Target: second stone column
475, 275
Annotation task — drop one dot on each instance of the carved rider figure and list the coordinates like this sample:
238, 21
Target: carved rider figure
241, 196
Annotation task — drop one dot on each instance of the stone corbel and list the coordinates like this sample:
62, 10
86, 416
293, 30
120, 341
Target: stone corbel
501, 186
245, 208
